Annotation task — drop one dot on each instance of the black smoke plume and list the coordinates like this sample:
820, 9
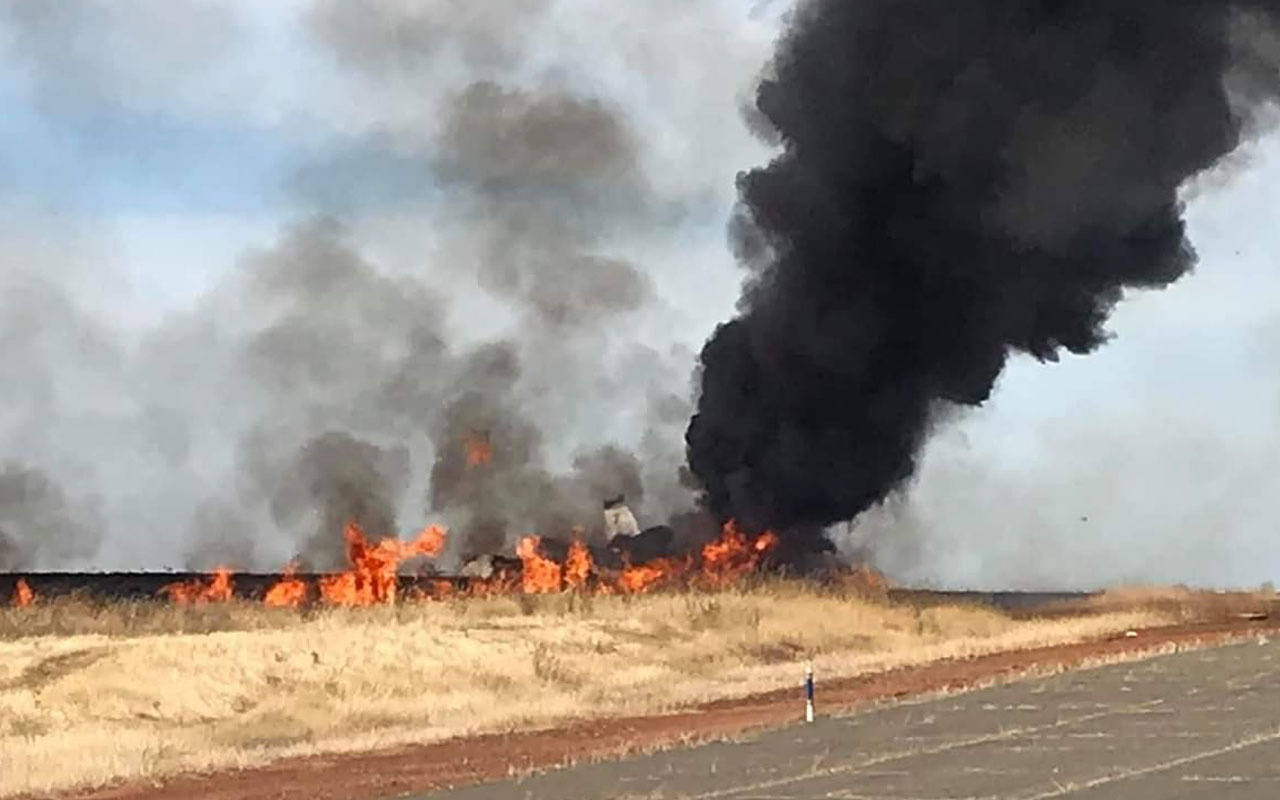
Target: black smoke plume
958, 181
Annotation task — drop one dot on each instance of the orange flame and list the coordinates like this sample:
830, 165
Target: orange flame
538, 575
22, 594
578, 566
217, 589
288, 592
499, 584
724, 561
734, 555
479, 451
372, 577
635, 579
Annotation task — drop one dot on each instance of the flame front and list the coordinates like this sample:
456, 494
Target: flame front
538, 574
217, 589
734, 555
373, 574
723, 562
372, 577
289, 592
640, 578
22, 594
578, 566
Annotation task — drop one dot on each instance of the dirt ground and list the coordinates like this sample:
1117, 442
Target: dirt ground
467, 761
1199, 724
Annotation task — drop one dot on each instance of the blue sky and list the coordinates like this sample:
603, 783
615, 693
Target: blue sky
104, 161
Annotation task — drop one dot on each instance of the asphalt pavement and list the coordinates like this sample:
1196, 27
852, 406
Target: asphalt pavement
1194, 725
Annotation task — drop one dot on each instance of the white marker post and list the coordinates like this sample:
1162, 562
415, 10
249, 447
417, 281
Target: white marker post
808, 692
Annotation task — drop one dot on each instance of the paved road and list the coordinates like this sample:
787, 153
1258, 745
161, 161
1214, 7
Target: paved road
1193, 725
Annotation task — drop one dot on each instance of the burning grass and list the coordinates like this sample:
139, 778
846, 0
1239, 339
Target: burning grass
91, 694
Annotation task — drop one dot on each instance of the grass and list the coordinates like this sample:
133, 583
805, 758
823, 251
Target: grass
1178, 603
93, 694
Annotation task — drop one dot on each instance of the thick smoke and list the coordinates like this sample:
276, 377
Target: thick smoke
335, 360
957, 182
336, 479
39, 524
543, 178
454, 185
547, 173
356, 361
59, 362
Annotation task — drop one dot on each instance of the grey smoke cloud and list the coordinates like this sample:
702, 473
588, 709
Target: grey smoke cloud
537, 186
39, 525
340, 363
393, 35
541, 183
326, 373
547, 172
58, 361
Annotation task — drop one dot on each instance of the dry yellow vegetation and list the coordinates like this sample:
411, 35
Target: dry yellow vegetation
89, 695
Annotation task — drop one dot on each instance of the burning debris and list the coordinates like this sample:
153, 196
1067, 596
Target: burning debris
618, 519
630, 545
647, 545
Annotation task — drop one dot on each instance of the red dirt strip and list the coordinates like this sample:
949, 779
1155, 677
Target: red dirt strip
465, 761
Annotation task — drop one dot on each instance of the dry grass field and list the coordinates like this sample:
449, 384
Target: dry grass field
90, 694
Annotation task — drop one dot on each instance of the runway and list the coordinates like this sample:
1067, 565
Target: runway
1202, 724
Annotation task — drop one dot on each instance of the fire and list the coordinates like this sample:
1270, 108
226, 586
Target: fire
217, 589
289, 591
538, 574
443, 589
724, 561
372, 577
734, 555
479, 451
635, 579
578, 565
373, 574
22, 594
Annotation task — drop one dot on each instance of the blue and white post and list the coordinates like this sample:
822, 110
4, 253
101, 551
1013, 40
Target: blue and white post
808, 692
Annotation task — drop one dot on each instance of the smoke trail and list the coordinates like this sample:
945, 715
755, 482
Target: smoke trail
957, 182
